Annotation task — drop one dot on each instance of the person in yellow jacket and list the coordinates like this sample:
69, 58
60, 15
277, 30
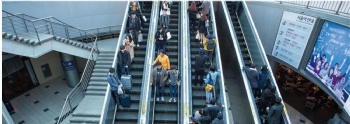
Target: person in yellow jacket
209, 51
164, 59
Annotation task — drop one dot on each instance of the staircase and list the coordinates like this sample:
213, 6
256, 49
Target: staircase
237, 27
167, 112
129, 115
89, 109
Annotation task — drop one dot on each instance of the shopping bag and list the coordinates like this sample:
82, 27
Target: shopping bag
140, 37
198, 16
144, 18
120, 90
168, 35
197, 35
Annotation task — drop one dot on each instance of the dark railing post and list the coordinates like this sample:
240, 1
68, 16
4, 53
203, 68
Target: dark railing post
341, 2
307, 5
70, 105
66, 30
36, 31
25, 24
13, 27
47, 27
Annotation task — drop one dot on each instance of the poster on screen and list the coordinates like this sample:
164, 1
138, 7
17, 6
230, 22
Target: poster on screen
330, 60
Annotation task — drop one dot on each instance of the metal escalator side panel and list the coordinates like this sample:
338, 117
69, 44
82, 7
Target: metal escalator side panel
144, 106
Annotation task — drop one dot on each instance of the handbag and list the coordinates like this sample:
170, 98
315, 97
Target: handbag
197, 35
168, 35
120, 90
207, 23
198, 16
140, 37
144, 18
208, 87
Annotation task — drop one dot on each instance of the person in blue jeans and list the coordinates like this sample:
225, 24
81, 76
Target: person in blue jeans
174, 77
159, 77
211, 79
114, 83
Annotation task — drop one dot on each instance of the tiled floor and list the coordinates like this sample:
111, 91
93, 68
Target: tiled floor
295, 116
41, 105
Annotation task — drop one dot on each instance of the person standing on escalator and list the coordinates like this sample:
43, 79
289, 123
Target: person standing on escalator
192, 10
161, 38
158, 78
134, 27
209, 45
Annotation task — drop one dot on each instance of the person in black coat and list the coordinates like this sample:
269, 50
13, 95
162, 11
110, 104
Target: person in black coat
161, 39
124, 61
218, 120
134, 27
267, 99
213, 109
253, 77
200, 67
205, 117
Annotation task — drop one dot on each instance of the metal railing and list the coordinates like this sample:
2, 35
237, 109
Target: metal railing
145, 96
337, 7
77, 94
25, 26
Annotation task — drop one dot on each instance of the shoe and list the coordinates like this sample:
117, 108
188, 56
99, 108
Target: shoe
138, 45
162, 98
157, 98
120, 107
174, 99
170, 99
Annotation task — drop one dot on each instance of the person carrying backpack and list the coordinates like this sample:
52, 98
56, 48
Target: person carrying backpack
209, 45
199, 67
210, 80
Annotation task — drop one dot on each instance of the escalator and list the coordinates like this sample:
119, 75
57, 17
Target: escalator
166, 112
239, 33
129, 115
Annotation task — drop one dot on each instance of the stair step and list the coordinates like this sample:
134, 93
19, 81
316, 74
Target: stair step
97, 88
99, 70
87, 119
98, 78
103, 67
98, 93
105, 58
104, 62
99, 74
98, 83
127, 116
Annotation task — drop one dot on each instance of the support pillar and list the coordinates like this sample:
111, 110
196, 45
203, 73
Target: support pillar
70, 69
6, 117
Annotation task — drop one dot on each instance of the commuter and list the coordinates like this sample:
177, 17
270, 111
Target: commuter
204, 119
263, 75
164, 18
165, 28
211, 79
192, 10
213, 109
164, 59
253, 77
205, 7
165, 7
159, 76
135, 7
114, 82
174, 78
275, 112
267, 99
129, 46
161, 39
134, 27
218, 120
201, 26
124, 61
200, 67
209, 45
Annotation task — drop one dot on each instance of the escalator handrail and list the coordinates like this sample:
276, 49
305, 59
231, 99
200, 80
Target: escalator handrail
264, 57
108, 91
180, 21
144, 107
186, 88
240, 61
225, 103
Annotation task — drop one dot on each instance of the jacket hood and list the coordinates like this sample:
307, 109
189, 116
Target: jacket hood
210, 36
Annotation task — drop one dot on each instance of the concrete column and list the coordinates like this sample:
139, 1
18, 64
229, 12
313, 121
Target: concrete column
6, 118
70, 68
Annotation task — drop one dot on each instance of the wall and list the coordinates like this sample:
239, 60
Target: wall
83, 15
54, 61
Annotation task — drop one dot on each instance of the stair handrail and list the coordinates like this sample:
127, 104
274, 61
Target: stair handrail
179, 64
48, 23
335, 6
144, 105
224, 97
108, 94
186, 88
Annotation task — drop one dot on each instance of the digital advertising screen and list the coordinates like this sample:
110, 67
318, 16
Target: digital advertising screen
330, 60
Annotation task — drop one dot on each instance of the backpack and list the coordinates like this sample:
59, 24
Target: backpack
211, 44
